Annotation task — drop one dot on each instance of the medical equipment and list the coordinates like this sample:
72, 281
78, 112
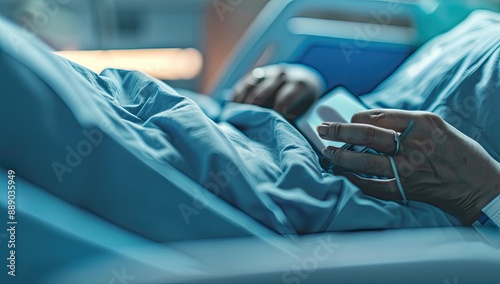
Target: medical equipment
355, 44
398, 139
320, 34
491, 214
339, 105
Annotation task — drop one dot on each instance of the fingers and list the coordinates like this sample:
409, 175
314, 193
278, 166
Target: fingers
365, 163
257, 82
393, 119
381, 189
243, 90
264, 93
377, 138
293, 99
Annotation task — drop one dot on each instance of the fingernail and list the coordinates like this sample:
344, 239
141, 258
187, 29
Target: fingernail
323, 130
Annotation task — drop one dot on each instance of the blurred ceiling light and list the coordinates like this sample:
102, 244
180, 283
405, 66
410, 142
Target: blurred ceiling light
164, 63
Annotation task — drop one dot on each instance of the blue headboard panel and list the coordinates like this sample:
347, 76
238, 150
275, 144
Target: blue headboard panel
359, 70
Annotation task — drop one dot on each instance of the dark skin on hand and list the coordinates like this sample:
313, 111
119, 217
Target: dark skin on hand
437, 164
288, 89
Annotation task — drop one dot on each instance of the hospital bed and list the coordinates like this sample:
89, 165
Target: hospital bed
287, 31
354, 44
68, 244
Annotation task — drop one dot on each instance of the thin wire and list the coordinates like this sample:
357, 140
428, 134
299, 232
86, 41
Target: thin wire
397, 139
407, 130
398, 180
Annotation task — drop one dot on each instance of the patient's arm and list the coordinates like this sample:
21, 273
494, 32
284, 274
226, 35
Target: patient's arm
290, 89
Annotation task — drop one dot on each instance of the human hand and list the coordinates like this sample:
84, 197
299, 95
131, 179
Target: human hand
287, 88
437, 164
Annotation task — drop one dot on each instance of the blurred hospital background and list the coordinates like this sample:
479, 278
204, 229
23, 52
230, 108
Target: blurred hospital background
191, 43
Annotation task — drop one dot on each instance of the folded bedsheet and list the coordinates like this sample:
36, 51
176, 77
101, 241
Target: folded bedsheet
79, 135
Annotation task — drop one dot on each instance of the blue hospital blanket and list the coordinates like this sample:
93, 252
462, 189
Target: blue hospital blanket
73, 135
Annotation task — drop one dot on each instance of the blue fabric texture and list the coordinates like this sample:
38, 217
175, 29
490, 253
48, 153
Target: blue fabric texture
246, 156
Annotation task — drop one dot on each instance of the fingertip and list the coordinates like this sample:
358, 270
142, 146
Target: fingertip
327, 152
330, 151
235, 96
322, 129
318, 126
